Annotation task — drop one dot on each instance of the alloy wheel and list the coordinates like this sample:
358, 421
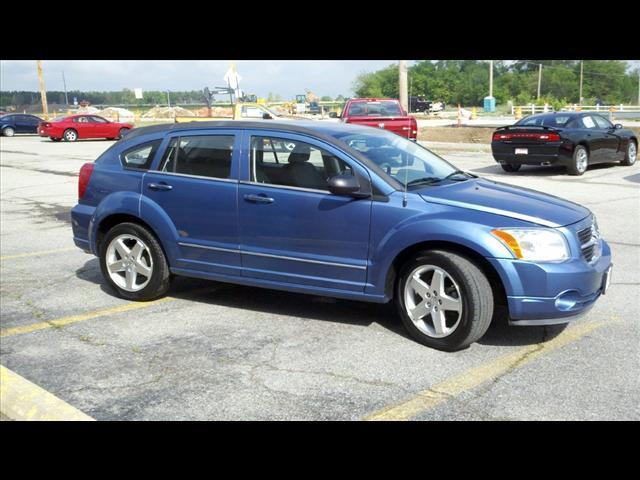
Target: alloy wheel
582, 161
129, 262
433, 301
70, 136
633, 152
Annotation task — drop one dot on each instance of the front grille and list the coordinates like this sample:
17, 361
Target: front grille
589, 239
584, 235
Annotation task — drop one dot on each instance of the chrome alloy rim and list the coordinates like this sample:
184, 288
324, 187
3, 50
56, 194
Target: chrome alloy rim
129, 262
9, 132
582, 160
71, 136
633, 152
433, 301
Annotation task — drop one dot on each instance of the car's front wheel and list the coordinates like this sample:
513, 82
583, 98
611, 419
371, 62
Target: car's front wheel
631, 155
445, 301
8, 132
579, 162
70, 135
133, 262
510, 167
123, 131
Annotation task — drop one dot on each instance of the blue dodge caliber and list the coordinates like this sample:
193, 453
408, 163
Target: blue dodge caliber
338, 210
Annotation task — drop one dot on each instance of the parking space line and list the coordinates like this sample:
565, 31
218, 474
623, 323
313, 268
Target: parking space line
454, 386
21, 399
34, 254
61, 322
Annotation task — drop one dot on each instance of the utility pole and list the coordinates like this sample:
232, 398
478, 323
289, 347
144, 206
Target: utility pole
581, 74
404, 100
491, 78
43, 92
64, 82
639, 86
539, 79
168, 99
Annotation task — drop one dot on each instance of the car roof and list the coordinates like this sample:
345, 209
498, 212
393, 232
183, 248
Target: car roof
309, 127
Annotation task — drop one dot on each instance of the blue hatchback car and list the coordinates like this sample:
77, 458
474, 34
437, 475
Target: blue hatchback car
338, 210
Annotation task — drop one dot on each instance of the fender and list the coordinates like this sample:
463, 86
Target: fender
136, 205
445, 224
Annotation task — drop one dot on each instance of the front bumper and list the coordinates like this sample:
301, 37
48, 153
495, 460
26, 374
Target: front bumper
552, 293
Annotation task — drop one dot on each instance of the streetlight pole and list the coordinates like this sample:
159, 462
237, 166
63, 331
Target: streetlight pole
404, 100
64, 82
581, 74
539, 79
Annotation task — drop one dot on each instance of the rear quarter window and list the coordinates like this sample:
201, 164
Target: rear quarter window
140, 156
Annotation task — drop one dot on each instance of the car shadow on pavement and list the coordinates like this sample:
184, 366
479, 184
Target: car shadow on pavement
633, 178
268, 301
537, 171
315, 307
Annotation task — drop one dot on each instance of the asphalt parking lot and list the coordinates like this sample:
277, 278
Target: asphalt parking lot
211, 351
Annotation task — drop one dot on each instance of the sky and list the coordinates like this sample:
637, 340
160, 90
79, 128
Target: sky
287, 78
284, 77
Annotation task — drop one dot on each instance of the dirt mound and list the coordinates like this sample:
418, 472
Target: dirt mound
456, 134
215, 112
168, 112
116, 114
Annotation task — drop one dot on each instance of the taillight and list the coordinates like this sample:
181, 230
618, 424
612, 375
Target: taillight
414, 128
83, 180
543, 137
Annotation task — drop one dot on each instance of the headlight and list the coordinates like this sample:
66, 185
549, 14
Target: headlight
535, 244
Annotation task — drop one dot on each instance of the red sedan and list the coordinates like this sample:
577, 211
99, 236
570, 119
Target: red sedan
82, 126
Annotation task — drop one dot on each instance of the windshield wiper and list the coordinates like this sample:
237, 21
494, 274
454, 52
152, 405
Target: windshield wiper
457, 172
426, 180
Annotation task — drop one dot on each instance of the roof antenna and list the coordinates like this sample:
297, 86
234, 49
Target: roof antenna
406, 179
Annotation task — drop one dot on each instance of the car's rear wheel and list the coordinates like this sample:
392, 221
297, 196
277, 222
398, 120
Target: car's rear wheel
122, 132
632, 154
70, 135
510, 167
8, 132
133, 262
445, 301
580, 161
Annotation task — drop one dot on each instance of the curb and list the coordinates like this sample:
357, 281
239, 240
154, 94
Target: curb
22, 400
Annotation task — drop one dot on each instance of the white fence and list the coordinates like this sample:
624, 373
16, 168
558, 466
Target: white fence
602, 108
531, 109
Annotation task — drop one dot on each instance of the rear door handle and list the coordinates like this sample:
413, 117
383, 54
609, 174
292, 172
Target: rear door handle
262, 198
160, 186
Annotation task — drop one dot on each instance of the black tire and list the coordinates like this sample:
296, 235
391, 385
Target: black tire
122, 132
55, 139
8, 132
628, 161
160, 278
475, 293
70, 135
574, 168
510, 167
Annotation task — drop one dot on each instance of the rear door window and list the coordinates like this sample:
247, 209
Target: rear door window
140, 156
202, 156
587, 122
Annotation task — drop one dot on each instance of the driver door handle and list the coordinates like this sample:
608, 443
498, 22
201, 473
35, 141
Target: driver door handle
160, 186
262, 198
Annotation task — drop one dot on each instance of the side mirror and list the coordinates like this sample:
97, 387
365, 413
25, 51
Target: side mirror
617, 125
333, 115
345, 185
266, 116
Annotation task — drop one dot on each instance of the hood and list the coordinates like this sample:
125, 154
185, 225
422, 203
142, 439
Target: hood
508, 201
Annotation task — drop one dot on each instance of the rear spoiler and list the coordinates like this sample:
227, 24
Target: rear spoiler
526, 127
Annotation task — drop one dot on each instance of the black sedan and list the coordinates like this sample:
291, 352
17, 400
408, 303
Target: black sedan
18, 123
572, 139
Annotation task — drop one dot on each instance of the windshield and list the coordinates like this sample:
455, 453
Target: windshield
407, 162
